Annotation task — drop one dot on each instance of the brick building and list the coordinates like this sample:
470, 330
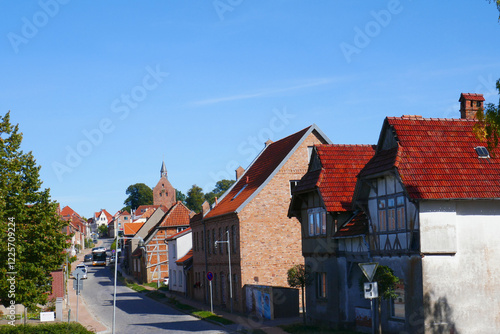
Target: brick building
163, 192
264, 242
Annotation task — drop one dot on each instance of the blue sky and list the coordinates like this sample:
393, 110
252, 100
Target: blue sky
104, 91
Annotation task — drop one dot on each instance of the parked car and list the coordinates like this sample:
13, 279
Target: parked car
84, 267
112, 259
87, 258
165, 281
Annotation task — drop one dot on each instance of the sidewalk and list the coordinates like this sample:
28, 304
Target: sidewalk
241, 321
85, 318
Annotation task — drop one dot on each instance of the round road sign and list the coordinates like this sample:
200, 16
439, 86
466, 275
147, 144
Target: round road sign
210, 276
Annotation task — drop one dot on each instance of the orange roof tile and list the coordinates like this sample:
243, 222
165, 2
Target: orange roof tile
131, 228
436, 159
186, 257
257, 174
357, 225
336, 179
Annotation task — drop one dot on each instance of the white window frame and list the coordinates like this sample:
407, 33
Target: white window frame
316, 220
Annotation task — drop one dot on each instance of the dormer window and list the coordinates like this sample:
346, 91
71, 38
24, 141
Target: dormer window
239, 192
482, 152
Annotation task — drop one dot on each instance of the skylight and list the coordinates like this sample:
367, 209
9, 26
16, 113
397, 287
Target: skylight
482, 152
239, 192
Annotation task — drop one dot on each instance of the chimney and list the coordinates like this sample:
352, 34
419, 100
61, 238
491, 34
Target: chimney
470, 104
239, 172
268, 142
205, 207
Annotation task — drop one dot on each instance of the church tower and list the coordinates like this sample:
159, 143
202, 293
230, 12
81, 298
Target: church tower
163, 192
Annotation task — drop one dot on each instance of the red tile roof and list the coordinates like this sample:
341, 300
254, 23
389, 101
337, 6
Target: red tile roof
436, 159
470, 96
257, 174
358, 225
336, 179
68, 212
178, 215
186, 257
131, 228
174, 236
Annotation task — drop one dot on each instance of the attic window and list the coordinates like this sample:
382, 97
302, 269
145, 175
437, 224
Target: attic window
482, 152
239, 192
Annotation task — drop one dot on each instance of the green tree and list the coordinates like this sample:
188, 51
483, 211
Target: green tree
138, 194
299, 277
488, 127
180, 196
103, 230
195, 198
33, 241
386, 283
497, 2
220, 188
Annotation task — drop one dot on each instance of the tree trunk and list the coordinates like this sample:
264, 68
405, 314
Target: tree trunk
303, 306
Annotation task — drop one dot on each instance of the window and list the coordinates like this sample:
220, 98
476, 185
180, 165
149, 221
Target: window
213, 244
398, 304
180, 278
209, 248
221, 246
317, 221
478, 103
233, 234
239, 192
391, 213
321, 285
482, 152
293, 184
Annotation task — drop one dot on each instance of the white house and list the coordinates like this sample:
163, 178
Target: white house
179, 250
431, 194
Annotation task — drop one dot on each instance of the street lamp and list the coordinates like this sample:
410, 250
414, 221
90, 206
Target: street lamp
228, 242
142, 246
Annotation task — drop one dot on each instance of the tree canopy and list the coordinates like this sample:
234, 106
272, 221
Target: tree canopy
195, 198
138, 194
220, 188
33, 241
488, 127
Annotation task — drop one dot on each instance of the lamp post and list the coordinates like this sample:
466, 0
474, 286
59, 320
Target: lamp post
228, 242
141, 245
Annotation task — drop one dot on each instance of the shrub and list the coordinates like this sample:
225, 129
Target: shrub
54, 328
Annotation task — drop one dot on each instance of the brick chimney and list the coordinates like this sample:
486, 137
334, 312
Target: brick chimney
239, 171
470, 104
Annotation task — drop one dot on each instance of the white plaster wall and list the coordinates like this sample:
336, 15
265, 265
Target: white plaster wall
182, 246
462, 289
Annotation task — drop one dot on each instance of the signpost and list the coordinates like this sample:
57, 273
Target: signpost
370, 288
210, 277
78, 274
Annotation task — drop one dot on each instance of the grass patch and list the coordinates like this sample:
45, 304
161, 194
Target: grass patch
137, 287
156, 295
55, 328
306, 329
152, 285
207, 315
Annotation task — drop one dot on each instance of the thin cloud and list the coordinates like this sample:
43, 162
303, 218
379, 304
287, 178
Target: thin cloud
268, 92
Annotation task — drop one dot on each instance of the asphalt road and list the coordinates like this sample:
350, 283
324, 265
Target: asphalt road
135, 313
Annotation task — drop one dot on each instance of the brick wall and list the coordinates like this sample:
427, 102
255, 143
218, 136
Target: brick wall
164, 193
57, 284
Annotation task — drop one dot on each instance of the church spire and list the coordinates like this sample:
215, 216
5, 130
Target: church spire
163, 170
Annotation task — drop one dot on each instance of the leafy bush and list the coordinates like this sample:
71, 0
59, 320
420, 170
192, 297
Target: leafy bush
54, 328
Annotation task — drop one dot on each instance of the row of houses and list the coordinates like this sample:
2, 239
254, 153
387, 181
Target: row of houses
422, 201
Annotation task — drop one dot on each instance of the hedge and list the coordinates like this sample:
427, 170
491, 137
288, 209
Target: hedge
54, 328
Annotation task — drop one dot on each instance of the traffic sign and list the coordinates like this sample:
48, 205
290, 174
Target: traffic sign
371, 290
78, 273
369, 269
210, 276
78, 285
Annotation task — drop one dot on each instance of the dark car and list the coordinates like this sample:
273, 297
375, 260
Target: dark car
87, 258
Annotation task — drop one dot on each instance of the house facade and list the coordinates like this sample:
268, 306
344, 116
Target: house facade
250, 221
180, 249
156, 250
321, 202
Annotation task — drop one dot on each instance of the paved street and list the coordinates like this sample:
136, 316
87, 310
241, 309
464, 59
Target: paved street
136, 313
